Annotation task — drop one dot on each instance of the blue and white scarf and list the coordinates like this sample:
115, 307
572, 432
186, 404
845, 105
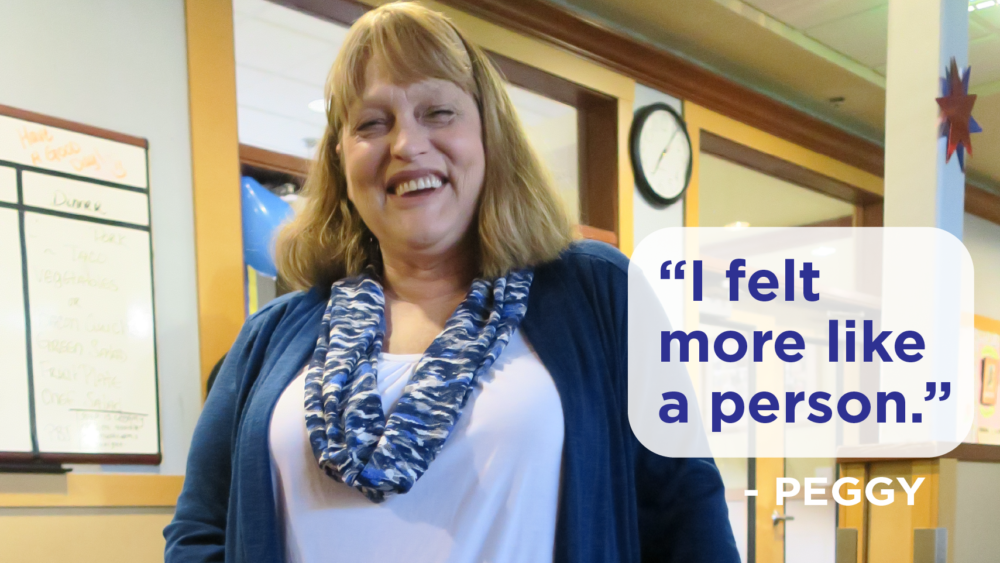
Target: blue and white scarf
351, 437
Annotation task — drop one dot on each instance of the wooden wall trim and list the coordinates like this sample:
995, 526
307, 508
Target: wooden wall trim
88, 489
676, 76
963, 452
784, 170
975, 452
68, 125
344, 12
593, 233
276, 161
982, 203
597, 136
215, 168
985, 323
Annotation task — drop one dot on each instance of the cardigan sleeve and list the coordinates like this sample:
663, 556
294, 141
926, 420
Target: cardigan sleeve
680, 503
197, 533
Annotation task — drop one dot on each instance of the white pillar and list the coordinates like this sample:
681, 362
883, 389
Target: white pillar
920, 189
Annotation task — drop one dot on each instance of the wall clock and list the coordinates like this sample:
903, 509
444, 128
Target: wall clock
661, 153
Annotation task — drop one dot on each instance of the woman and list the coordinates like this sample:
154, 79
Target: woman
461, 363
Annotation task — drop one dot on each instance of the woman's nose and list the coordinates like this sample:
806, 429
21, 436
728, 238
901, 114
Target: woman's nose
410, 139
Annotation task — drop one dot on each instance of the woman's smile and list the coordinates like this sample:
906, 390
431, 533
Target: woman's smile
415, 183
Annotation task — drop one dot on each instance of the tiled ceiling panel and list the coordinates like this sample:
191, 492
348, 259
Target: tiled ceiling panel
862, 36
282, 59
990, 17
978, 30
273, 48
278, 95
858, 29
806, 14
983, 58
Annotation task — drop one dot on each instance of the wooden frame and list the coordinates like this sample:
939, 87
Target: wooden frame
978, 202
73, 126
215, 177
275, 161
597, 127
728, 138
48, 462
782, 169
982, 204
732, 151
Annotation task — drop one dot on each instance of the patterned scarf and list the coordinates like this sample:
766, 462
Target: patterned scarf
353, 440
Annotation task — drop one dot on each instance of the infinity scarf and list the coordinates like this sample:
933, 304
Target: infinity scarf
351, 437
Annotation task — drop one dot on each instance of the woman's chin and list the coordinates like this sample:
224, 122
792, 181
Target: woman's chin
424, 242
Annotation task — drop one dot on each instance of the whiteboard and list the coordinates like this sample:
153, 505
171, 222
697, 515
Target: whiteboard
77, 323
14, 411
58, 149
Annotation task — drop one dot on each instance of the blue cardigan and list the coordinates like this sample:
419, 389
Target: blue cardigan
618, 501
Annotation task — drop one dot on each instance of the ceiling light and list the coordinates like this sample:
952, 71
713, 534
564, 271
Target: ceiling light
824, 251
984, 5
738, 225
318, 106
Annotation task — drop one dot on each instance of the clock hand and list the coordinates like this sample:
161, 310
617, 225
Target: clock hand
665, 149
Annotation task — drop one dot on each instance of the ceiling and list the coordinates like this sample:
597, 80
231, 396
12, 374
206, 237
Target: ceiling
282, 59
826, 57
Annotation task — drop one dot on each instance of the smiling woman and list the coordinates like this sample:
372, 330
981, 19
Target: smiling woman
450, 386
456, 96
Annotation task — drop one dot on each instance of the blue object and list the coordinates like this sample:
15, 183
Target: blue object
263, 213
618, 500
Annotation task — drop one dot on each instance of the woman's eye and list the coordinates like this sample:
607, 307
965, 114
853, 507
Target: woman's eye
370, 127
440, 114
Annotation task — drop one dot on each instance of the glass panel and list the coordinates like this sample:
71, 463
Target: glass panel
551, 127
732, 195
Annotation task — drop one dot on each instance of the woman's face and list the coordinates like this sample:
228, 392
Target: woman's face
414, 160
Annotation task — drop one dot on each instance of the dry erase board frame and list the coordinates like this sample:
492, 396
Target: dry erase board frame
23, 209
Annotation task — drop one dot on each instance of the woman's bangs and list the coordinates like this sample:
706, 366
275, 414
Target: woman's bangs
410, 51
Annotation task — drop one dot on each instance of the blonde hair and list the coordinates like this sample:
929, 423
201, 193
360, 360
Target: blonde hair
520, 220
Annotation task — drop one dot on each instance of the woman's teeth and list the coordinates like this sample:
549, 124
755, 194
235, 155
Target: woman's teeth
418, 184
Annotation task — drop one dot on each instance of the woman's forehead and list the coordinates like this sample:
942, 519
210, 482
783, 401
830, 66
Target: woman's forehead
381, 84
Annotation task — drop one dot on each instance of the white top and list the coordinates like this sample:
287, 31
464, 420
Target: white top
489, 496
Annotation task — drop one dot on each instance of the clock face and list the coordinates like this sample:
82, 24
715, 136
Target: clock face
661, 154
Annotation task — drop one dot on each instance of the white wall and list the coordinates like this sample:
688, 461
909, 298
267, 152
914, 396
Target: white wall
122, 65
982, 238
647, 218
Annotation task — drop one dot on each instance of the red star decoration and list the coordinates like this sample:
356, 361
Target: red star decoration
956, 113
